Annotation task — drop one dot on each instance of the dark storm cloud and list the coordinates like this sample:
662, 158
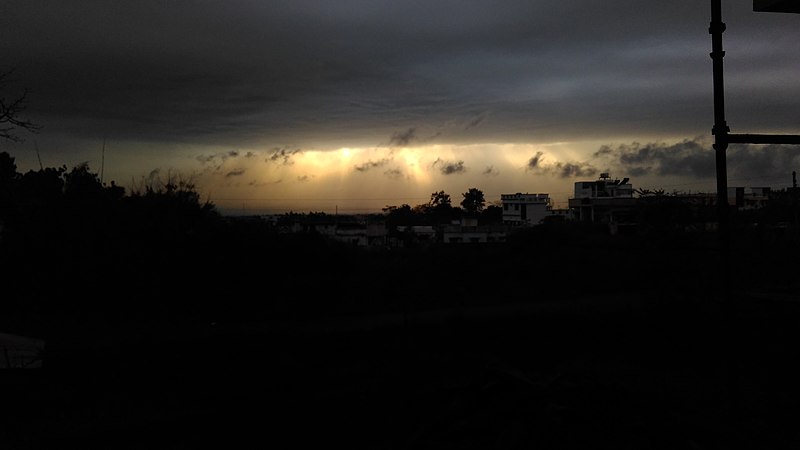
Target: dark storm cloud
303, 71
695, 158
490, 171
217, 158
772, 161
411, 136
394, 173
533, 163
573, 169
476, 120
690, 157
403, 138
448, 167
561, 169
235, 173
282, 156
372, 164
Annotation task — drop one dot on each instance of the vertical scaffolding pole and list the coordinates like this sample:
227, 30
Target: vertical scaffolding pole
722, 137
720, 132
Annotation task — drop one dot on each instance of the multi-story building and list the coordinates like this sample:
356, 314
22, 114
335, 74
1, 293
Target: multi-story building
748, 197
604, 200
525, 209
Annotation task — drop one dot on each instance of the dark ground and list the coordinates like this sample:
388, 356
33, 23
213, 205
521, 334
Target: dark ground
555, 342
630, 377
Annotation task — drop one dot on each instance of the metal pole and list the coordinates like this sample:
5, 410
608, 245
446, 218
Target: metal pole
720, 132
721, 140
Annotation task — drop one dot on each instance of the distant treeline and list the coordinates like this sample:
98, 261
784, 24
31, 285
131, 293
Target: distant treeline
82, 257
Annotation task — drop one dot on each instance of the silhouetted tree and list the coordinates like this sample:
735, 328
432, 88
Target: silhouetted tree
402, 215
8, 168
8, 178
440, 200
473, 201
11, 110
492, 214
170, 210
440, 209
81, 182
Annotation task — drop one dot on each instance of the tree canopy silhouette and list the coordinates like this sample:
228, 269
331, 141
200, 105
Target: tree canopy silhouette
473, 201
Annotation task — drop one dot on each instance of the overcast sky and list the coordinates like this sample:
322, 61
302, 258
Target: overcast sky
355, 104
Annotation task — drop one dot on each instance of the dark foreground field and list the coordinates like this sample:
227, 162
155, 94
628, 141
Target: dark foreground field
554, 341
604, 373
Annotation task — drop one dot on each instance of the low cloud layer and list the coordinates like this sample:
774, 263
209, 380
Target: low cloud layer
449, 167
690, 158
695, 158
369, 165
282, 156
539, 164
403, 138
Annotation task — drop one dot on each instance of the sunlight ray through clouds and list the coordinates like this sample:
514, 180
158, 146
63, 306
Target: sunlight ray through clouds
370, 178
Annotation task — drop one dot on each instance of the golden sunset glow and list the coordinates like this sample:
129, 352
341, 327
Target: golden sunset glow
325, 118
368, 179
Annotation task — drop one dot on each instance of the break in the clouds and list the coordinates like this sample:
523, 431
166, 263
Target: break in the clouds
476, 84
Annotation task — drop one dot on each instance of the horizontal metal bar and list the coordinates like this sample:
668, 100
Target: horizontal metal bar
763, 138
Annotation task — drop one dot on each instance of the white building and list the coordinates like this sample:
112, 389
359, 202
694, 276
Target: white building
525, 209
604, 187
604, 200
748, 197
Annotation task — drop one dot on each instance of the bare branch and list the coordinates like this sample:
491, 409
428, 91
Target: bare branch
10, 112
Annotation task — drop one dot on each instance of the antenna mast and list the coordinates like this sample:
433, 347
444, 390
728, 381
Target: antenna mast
36, 144
102, 161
